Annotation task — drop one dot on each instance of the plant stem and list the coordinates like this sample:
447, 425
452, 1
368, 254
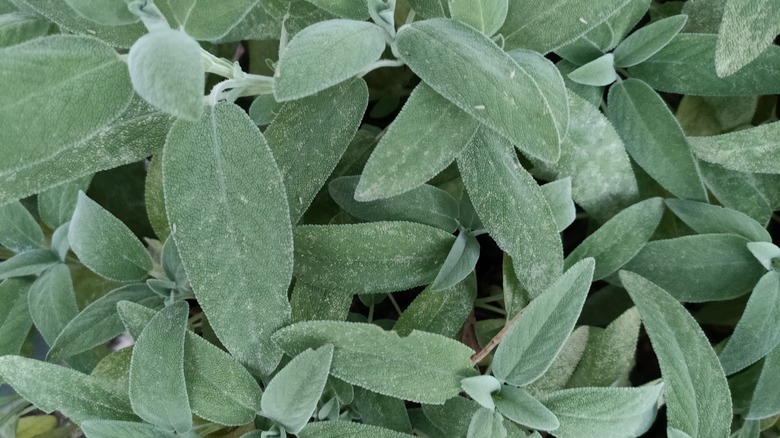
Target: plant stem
395, 304
477, 357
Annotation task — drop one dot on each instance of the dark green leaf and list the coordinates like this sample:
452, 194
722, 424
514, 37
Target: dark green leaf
19, 231
764, 402
56, 205
15, 320
460, 262
28, 263
648, 40
441, 312
18, 27
383, 411
52, 302
312, 303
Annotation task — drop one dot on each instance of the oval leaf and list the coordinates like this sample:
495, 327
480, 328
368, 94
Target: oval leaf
109, 13
439, 312
704, 218
746, 30
19, 231
339, 429
648, 40
127, 429
755, 150
521, 407
598, 73
486, 16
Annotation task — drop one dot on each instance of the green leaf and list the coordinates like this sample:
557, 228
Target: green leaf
127, 429
376, 257
654, 139
519, 406
765, 252
352, 9
430, 8
347, 429
32, 262
739, 191
648, 40
749, 150
442, 312
15, 320
758, 330
687, 66
486, 424
617, 241
264, 109
704, 218
412, 150
696, 392
238, 255
764, 402
513, 209
533, 342
486, 16
425, 204
460, 262
105, 245
746, 30
383, 411
264, 21
18, 27
558, 196
597, 73
312, 303
157, 387
107, 13
206, 20
564, 365
167, 71
421, 367
480, 388
453, 417
56, 205
52, 302
325, 54
99, 322
155, 199
33, 95
545, 26
55, 388
705, 267
442, 52
306, 157
19, 231
593, 155
604, 411
291, 397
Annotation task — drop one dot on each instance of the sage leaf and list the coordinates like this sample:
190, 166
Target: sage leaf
411, 151
108, 13
238, 256
604, 411
442, 52
442, 312
480, 388
99, 322
749, 150
56, 205
264, 109
521, 407
425, 204
383, 411
764, 403
28, 263
513, 209
325, 54
155, 199
687, 66
55, 388
205, 20
453, 417
654, 139
564, 365
431, 8
704, 218
306, 157
533, 342
696, 392
648, 40
421, 367
157, 388
597, 73
486, 16
558, 196
18, 27
756, 333
739, 191
167, 71
486, 424
352, 9
375, 257
19, 231
460, 262
619, 239
311, 303
765, 252
338, 429
105, 245
746, 30
52, 302
128, 429
291, 397
704, 267
15, 320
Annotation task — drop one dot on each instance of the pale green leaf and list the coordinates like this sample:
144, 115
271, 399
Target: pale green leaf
155, 199
460, 262
704, 15
564, 365
705, 218
55, 388
325, 54
740, 191
264, 21
264, 109
648, 40
18, 27
56, 205
442, 312
486, 16
352, 9
52, 302
711, 115
597, 73
107, 13
654, 139
758, 330
606, 35
696, 392
704, 267
412, 150
207, 20
514, 294
513, 209
453, 417
532, 343
558, 196
374, 257
619, 239
604, 412
486, 424
421, 367
755, 149
765, 252
765, 402
347, 429
225, 199
521, 407
442, 52
306, 157
15, 320
746, 30
383, 411
480, 389
291, 397
430, 8
19, 231
312, 303
105, 245
32, 262
167, 71
157, 387
126, 429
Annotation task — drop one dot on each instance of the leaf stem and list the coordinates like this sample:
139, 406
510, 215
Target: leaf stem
477, 357
395, 304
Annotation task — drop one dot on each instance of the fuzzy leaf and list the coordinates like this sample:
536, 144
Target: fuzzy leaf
480, 389
648, 40
442, 312
486, 423
746, 30
15, 320
312, 303
126, 429
52, 302
19, 231
206, 20
704, 218
764, 402
28, 263
754, 149
18, 27
57, 204
460, 262
522, 408
347, 429
108, 13
383, 411
486, 16
596, 73
558, 196
352, 9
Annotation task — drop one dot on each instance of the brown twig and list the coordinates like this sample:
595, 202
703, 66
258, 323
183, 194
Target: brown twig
477, 357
